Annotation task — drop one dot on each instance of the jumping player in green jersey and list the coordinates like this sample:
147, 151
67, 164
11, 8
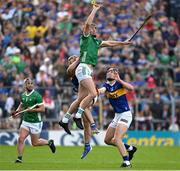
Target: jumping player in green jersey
31, 120
89, 46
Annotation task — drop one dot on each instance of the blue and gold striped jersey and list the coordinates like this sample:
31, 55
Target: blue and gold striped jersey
116, 94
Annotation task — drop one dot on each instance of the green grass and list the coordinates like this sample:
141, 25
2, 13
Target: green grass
100, 158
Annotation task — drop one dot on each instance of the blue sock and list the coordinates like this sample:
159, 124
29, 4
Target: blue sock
93, 126
125, 158
127, 146
87, 145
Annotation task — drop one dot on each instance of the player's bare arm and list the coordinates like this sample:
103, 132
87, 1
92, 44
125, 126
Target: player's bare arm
112, 43
40, 108
72, 67
89, 21
126, 85
20, 108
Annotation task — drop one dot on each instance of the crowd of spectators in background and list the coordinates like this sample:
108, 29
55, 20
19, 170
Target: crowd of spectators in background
37, 37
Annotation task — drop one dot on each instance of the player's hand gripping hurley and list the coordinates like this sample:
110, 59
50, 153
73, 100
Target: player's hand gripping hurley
95, 4
25, 110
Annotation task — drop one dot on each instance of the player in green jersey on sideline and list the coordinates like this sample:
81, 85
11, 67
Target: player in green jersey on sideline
31, 120
89, 46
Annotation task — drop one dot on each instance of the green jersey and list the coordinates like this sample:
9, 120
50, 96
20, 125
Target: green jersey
29, 100
89, 46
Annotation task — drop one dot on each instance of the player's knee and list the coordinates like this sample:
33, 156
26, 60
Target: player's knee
93, 95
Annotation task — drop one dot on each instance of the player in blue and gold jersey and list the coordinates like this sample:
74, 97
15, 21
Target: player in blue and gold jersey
115, 89
73, 62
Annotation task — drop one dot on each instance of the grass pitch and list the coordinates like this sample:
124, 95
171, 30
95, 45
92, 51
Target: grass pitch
100, 158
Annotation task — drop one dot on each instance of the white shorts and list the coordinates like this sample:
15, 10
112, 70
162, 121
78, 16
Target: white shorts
33, 128
83, 71
122, 118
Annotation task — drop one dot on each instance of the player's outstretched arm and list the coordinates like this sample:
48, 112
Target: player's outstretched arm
90, 19
112, 43
127, 85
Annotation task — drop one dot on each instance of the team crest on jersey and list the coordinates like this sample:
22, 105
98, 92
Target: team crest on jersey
111, 89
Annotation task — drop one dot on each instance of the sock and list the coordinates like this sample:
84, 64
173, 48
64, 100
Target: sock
93, 126
87, 145
66, 117
48, 142
128, 147
125, 158
79, 112
20, 157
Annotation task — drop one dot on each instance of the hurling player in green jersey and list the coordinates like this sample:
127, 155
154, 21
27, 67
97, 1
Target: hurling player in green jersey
31, 120
89, 45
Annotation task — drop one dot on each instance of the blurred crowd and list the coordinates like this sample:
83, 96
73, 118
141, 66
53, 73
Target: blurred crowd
37, 37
